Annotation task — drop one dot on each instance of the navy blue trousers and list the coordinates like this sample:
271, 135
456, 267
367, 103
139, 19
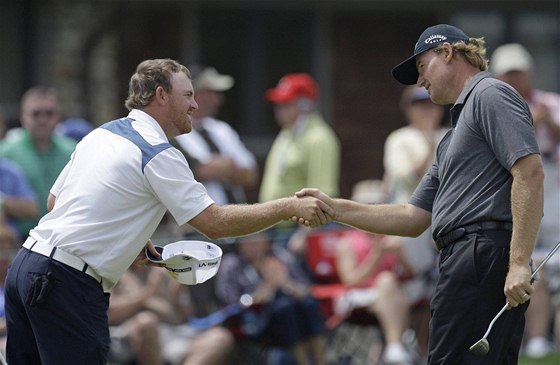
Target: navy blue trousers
469, 293
69, 327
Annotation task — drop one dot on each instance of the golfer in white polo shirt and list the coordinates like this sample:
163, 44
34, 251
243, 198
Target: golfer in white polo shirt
104, 207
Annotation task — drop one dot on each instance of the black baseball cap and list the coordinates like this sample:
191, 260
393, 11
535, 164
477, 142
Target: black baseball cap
406, 72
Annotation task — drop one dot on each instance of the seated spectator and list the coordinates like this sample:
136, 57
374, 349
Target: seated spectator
148, 312
283, 313
366, 261
387, 277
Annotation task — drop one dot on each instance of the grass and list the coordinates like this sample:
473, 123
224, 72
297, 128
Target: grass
553, 359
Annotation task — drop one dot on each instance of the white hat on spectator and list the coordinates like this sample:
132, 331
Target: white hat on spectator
510, 57
369, 192
209, 79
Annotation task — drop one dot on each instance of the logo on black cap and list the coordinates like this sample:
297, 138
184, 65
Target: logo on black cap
435, 38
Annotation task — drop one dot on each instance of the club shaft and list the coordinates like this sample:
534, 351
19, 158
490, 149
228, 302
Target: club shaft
506, 306
552, 252
481, 347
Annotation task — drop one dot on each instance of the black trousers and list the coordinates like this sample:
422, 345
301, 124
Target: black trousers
67, 326
469, 293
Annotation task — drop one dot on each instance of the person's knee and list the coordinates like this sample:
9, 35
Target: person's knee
144, 324
211, 346
221, 338
387, 283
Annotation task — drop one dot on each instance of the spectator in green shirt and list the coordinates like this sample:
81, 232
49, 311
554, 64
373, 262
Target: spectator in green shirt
36, 149
306, 152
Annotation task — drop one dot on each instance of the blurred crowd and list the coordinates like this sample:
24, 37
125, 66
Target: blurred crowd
289, 295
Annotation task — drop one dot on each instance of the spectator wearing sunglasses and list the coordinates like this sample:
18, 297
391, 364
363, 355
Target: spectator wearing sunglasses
40, 152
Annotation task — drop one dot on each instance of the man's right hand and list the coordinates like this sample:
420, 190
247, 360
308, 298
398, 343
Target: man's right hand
325, 202
316, 193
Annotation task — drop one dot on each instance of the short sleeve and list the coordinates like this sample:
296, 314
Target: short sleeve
173, 183
506, 124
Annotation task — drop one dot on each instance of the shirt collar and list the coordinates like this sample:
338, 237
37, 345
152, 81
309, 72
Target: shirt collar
460, 102
145, 118
470, 86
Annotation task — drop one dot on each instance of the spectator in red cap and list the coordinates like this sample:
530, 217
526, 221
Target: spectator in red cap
306, 152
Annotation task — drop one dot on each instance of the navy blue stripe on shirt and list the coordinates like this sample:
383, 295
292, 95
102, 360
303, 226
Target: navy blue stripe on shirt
123, 127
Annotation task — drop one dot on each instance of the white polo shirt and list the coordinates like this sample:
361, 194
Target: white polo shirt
111, 196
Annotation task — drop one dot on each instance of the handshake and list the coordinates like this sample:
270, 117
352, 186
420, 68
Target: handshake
313, 208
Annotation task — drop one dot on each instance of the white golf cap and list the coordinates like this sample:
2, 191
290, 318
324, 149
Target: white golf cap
210, 79
189, 262
510, 57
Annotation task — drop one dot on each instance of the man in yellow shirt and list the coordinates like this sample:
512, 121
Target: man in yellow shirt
306, 152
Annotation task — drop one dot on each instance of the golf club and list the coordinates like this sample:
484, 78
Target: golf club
482, 346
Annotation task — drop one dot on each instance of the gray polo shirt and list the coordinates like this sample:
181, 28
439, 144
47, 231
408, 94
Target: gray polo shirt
470, 180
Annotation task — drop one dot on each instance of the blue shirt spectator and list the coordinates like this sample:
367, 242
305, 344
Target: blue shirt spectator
18, 197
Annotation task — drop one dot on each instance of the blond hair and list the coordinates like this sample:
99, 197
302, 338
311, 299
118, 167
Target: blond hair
148, 76
474, 52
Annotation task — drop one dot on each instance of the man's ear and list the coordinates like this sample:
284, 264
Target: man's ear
447, 52
161, 95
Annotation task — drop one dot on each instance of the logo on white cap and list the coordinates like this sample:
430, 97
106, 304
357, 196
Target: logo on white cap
189, 262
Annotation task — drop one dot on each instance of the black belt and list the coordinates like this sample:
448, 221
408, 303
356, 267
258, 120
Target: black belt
443, 241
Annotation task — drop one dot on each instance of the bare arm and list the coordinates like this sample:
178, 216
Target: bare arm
248, 178
542, 116
224, 169
390, 219
20, 208
527, 208
50, 201
350, 271
242, 219
123, 305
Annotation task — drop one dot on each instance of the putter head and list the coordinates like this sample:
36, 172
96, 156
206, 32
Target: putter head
481, 347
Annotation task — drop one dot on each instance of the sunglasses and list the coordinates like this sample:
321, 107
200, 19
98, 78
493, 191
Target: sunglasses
48, 113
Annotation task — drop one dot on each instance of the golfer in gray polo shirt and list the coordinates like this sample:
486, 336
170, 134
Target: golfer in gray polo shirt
483, 197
